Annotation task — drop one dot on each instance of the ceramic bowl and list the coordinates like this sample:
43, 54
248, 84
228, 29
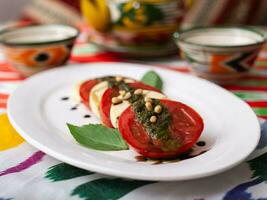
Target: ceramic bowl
221, 54
34, 48
136, 27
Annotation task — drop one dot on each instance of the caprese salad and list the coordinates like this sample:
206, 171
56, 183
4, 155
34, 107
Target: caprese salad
148, 121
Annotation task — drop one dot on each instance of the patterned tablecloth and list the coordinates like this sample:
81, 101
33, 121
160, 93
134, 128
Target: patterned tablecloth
27, 173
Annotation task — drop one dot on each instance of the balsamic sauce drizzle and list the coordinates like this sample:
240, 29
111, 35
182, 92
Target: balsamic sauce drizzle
75, 107
65, 98
184, 156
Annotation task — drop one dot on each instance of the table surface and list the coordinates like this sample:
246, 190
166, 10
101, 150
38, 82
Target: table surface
27, 173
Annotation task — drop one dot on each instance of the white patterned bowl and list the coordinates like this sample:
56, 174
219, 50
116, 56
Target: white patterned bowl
223, 53
32, 49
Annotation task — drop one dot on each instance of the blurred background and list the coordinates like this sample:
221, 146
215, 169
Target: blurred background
197, 12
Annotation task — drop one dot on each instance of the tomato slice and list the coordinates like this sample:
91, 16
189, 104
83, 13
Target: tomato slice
106, 103
85, 89
185, 128
143, 86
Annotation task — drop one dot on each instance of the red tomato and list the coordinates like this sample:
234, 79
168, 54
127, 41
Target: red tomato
185, 128
105, 103
143, 86
85, 89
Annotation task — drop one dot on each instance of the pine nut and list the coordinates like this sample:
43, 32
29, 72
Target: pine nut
127, 96
122, 92
138, 91
153, 119
149, 106
116, 100
158, 109
147, 99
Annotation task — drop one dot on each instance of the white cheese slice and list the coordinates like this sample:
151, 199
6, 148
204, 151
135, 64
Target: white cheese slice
95, 96
117, 110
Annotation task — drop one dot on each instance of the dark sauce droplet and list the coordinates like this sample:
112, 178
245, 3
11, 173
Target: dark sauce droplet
141, 158
74, 108
201, 143
65, 98
87, 116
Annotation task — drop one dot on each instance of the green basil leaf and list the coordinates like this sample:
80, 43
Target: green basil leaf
153, 79
98, 137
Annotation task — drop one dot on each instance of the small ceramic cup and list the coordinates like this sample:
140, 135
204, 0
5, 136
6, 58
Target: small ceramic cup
221, 54
34, 48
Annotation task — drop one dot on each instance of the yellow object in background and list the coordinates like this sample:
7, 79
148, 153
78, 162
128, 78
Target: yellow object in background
9, 138
96, 13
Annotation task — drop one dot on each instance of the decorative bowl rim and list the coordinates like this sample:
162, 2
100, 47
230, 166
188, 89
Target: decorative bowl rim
46, 42
177, 36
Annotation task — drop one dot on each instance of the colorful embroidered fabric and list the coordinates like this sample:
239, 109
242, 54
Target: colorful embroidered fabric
27, 173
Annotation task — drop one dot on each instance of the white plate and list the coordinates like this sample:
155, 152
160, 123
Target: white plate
37, 112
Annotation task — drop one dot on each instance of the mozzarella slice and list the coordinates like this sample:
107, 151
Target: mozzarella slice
95, 96
117, 110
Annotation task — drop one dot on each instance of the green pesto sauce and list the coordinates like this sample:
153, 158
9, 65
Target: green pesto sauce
121, 85
107, 78
158, 130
